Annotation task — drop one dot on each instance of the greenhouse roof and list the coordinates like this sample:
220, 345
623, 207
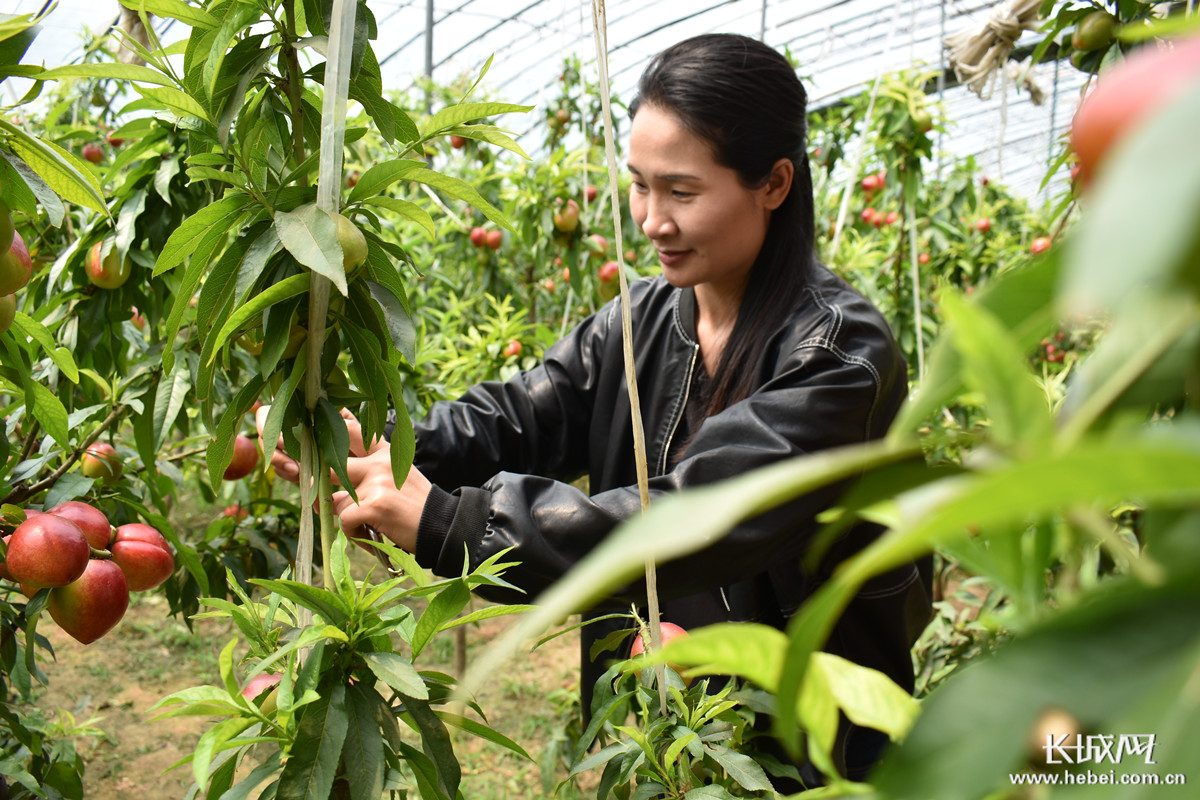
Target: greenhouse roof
840, 46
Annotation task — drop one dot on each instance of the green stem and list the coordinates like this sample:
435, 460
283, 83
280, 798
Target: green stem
328, 529
294, 90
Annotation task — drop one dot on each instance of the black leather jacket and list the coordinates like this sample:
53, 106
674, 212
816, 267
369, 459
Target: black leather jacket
832, 376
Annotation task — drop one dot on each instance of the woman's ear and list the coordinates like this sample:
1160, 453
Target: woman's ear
779, 183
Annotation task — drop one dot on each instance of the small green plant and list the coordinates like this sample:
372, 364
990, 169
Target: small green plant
329, 718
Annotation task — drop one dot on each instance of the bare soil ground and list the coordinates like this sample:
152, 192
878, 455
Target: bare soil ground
115, 681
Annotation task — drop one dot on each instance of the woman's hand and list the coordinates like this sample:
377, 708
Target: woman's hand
393, 511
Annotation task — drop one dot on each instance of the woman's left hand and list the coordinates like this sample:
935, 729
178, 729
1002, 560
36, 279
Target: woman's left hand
393, 511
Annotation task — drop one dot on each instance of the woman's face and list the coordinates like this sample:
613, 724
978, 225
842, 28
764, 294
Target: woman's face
706, 225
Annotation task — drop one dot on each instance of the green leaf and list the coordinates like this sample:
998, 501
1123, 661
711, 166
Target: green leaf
362, 752
48, 410
464, 112
328, 605
994, 366
168, 402
380, 176
220, 448
400, 324
113, 70
334, 439
748, 650
458, 189
482, 731
442, 608
488, 613
214, 220
742, 768
211, 743
39, 191
677, 746
404, 208
866, 696
310, 235
288, 287
323, 725
491, 135
397, 672
435, 741
255, 261
175, 9
61, 357
63, 172
174, 100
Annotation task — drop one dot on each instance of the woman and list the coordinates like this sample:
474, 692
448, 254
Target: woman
747, 352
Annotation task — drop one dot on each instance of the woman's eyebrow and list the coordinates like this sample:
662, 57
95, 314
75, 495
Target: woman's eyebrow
670, 176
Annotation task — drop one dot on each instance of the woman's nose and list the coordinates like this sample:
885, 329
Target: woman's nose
657, 223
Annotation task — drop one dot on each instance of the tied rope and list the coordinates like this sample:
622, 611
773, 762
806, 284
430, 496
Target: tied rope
976, 54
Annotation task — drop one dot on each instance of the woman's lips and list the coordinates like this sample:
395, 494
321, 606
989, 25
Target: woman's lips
670, 258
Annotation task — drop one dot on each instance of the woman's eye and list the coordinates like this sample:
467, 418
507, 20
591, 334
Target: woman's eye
680, 194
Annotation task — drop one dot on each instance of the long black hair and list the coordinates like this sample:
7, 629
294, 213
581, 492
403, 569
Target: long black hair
744, 99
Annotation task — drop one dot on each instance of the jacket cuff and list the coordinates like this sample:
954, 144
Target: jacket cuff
448, 522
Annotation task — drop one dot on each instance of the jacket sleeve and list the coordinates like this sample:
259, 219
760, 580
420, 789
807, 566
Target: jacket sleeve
534, 423
823, 393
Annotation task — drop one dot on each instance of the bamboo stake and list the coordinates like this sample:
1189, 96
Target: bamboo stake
600, 29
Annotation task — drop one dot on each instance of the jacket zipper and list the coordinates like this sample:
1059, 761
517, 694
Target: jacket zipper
687, 389
662, 465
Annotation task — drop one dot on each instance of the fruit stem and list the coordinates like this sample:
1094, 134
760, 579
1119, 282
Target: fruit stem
100, 555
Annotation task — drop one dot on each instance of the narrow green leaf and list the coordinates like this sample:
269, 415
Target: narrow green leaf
380, 176
52, 205
62, 171
225, 666
175, 9
442, 608
334, 439
172, 393
400, 324
288, 287
362, 753
212, 220
35, 330
47, 409
175, 101
491, 135
458, 189
435, 741
488, 613
397, 672
114, 70
210, 744
220, 448
403, 207
482, 731
309, 773
328, 605
994, 366
464, 112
